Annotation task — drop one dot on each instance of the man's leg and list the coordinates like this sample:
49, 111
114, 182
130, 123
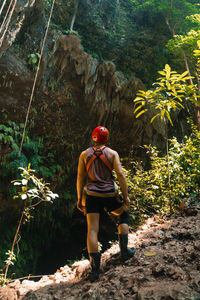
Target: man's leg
122, 212
92, 232
123, 231
92, 244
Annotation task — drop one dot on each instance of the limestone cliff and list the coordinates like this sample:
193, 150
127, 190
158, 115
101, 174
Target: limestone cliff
67, 74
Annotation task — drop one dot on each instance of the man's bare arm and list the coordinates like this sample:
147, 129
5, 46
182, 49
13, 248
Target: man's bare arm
121, 177
81, 178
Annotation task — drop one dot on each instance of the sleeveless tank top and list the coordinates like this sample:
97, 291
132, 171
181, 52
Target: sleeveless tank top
100, 178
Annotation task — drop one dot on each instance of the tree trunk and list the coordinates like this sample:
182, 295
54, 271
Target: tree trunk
74, 15
196, 107
197, 116
168, 167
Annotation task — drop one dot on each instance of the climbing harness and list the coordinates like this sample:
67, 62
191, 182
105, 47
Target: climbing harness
98, 153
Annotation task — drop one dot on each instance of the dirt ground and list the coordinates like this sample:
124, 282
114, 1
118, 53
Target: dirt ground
166, 266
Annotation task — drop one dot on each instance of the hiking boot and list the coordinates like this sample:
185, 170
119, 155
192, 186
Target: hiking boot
126, 252
95, 259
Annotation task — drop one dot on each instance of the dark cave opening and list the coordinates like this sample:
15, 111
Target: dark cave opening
65, 251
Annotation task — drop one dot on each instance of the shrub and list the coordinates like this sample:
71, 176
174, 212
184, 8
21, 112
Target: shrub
148, 189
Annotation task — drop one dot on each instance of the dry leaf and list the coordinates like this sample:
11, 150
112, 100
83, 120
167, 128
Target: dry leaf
150, 253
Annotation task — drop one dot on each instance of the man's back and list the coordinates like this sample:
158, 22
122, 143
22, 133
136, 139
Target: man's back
99, 169
111, 154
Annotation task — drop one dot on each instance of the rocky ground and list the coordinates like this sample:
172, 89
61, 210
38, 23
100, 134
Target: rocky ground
166, 266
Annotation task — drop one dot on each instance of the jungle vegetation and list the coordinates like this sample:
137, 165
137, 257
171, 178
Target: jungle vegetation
143, 38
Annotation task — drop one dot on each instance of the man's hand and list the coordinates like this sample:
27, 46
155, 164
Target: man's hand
80, 206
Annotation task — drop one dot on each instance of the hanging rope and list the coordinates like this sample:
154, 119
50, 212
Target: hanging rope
35, 79
2, 6
8, 21
6, 15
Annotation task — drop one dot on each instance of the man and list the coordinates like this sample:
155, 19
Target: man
95, 179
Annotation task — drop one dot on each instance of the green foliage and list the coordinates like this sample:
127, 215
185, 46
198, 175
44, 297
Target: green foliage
63, 29
187, 154
32, 191
167, 95
174, 12
99, 247
113, 30
132, 34
48, 3
33, 59
187, 47
11, 131
197, 56
6, 82
197, 52
182, 47
195, 20
148, 189
10, 137
54, 167
73, 32
11, 258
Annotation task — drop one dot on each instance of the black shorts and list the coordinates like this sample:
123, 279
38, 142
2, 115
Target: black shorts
96, 204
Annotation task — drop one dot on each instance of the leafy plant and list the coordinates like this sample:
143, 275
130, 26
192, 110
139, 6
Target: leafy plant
148, 189
175, 13
11, 133
46, 160
167, 97
185, 48
73, 32
32, 191
33, 59
197, 56
10, 136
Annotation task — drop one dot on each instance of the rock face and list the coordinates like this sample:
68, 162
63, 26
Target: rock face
104, 95
166, 266
97, 90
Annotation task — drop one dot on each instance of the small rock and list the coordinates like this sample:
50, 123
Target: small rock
158, 270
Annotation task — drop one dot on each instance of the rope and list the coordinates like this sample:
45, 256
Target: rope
8, 22
2, 6
35, 79
5, 17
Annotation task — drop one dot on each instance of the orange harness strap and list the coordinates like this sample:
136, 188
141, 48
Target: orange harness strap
99, 154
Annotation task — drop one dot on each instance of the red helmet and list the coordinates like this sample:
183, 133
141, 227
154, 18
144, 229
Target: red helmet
100, 134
